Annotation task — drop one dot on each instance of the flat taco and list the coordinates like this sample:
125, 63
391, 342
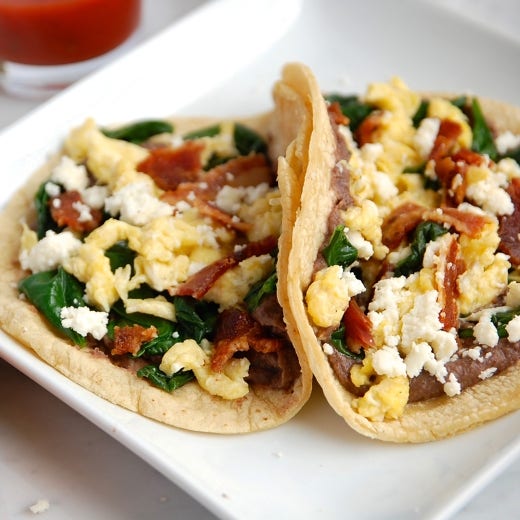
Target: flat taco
403, 256
141, 263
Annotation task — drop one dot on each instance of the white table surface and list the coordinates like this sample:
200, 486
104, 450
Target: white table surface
48, 451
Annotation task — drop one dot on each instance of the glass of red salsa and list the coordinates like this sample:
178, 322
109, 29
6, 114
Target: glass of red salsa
47, 44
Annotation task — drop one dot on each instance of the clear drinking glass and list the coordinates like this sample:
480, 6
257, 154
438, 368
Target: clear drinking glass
46, 45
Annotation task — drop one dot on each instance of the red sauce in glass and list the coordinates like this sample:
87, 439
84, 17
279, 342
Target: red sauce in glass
55, 32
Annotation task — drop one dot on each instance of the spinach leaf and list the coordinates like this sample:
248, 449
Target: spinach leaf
352, 107
44, 220
460, 102
139, 131
246, 140
421, 113
196, 319
482, 137
168, 383
425, 232
338, 341
501, 319
120, 255
210, 131
50, 291
339, 251
259, 290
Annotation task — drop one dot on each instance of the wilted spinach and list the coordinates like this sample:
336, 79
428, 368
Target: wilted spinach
168, 383
339, 250
140, 131
351, 107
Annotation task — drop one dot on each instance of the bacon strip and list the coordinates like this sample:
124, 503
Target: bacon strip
237, 331
65, 214
405, 218
201, 282
400, 222
169, 167
452, 267
358, 328
128, 339
365, 131
210, 210
449, 132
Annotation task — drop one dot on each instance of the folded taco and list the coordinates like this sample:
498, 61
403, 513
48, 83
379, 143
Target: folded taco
141, 263
402, 256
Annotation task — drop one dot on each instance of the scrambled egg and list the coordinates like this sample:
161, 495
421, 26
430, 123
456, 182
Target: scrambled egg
188, 355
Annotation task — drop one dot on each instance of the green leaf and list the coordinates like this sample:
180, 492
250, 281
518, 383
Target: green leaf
425, 232
210, 131
340, 251
196, 318
248, 141
120, 255
43, 213
352, 107
259, 290
49, 292
168, 383
421, 113
483, 142
513, 154
140, 131
460, 102
338, 341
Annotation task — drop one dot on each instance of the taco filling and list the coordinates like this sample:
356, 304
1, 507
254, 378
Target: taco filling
415, 292
405, 221
157, 250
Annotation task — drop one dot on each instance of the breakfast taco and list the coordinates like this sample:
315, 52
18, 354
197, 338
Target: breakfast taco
402, 256
141, 263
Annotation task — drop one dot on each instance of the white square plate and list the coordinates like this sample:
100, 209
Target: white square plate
222, 60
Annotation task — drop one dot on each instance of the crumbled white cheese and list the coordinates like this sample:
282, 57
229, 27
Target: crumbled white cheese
328, 349
40, 506
474, 353
507, 141
85, 321
83, 210
70, 175
231, 198
513, 329
95, 196
486, 374
489, 193
424, 138
50, 252
136, 204
364, 247
485, 332
418, 356
52, 189
387, 361
452, 386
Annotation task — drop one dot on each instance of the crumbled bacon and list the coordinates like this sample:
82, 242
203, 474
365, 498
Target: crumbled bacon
444, 145
405, 218
336, 114
358, 328
64, 211
237, 331
201, 282
368, 127
209, 209
170, 167
470, 224
401, 221
452, 267
130, 338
